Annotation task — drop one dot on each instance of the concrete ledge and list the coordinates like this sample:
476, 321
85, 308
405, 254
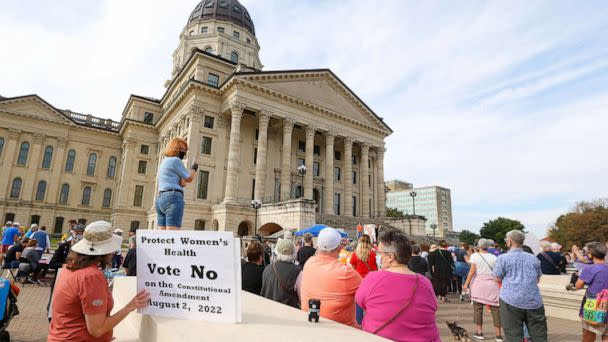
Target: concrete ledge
559, 302
263, 320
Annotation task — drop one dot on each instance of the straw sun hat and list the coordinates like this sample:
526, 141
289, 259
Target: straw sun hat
98, 239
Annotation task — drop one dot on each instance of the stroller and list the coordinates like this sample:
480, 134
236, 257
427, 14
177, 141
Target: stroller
8, 307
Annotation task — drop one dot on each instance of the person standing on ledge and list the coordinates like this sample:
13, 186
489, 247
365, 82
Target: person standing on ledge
172, 177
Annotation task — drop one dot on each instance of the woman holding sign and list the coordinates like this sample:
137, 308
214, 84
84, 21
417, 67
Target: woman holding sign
82, 302
172, 177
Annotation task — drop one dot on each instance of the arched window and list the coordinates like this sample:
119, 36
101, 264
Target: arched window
107, 197
64, 194
1, 146
40, 191
16, 188
91, 164
234, 57
25, 148
112, 167
209, 49
48, 156
86, 196
69, 163
199, 225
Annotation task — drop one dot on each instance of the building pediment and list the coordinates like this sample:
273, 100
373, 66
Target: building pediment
34, 106
320, 88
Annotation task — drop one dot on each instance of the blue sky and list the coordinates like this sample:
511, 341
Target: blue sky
505, 103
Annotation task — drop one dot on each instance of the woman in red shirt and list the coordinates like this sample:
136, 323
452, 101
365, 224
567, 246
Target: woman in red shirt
363, 261
82, 302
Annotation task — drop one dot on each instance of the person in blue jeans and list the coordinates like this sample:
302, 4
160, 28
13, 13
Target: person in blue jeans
171, 179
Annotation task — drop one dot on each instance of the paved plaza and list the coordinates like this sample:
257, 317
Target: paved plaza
32, 326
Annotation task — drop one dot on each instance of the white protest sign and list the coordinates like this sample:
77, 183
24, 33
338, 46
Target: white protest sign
190, 274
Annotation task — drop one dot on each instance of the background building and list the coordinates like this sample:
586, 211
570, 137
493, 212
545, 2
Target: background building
432, 202
248, 129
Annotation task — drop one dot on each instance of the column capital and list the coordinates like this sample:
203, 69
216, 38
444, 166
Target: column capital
264, 118
330, 137
15, 133
364, 148
129, 143
62, 142
39, 138
380, 152
237, 108
348, 143
310, 131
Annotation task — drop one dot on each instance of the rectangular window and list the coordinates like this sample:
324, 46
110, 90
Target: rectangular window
316, 172
213, 80
209, 121
354, 205
144, 149
300, 162
337, 155
220, 29
369, 181
337, 174
337, 204
354, 159
317, 150
139, 195
255, 155
253, 189
301, 146
206, 145
58, 225
148, 117
257, 134
370, 208
134, 225
369, 163
236, 34
205, 29
248, 41
354, 177
203, 184
141, 168
82, 221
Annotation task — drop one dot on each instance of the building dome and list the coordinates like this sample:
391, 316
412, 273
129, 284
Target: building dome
229, 10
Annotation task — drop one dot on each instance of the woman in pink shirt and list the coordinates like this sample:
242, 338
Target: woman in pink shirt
399, 304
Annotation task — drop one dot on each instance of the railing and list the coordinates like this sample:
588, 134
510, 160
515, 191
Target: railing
92, 121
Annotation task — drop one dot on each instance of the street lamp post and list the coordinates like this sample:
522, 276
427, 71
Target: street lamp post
413, 194
433, 226
256, 204
302, 172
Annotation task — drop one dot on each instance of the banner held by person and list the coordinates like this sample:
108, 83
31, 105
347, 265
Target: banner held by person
190, 274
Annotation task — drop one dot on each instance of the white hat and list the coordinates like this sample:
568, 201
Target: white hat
117, 231
98, 239
16, 224
33, 225
9, 223
328, 239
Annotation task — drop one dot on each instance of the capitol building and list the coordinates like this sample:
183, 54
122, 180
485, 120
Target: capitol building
248, 128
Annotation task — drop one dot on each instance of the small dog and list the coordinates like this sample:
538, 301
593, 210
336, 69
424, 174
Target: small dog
458, 333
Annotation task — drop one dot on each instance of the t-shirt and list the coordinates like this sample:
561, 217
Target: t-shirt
418, 264
596, 276
43, 239
484, 263
8, 237
251, 277
304, 254
11, 254
78, 293
170, 171
334, 284
460, 254
549, 267
382, 294
363, 268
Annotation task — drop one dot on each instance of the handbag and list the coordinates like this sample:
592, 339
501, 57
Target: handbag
551, 261
595, 308
407, 303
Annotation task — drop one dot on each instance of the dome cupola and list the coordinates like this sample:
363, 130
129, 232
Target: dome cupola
228, 10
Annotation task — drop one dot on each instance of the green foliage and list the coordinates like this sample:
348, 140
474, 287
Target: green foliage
468, 237
587, 221
497, 229
394, 212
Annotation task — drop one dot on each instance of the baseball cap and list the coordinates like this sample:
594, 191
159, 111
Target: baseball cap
329, 238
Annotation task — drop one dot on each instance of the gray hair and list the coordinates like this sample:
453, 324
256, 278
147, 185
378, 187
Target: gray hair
485, 243
545, 245
596, 249
517, 237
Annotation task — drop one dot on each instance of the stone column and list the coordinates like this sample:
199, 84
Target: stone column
310, 142
347, 177
126, 173
8, 158
286, 160
55, 181
380, 195
195, 116
260, 166
329, 173
364, 180
234, 153
32, 168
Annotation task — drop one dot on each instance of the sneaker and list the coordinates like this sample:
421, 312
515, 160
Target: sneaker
478, 336
498, 338
32, 281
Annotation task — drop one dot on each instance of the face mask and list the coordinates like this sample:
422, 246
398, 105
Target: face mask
181, 154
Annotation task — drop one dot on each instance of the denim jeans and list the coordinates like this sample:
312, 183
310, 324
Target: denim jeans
170, 208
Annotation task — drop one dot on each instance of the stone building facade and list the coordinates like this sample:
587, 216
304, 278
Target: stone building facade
248, 129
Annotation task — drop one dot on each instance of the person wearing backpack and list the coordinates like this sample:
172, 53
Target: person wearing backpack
595, 276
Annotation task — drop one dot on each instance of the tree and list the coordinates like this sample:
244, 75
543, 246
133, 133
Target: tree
586, 221
394, 212
497, 229
468, 237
